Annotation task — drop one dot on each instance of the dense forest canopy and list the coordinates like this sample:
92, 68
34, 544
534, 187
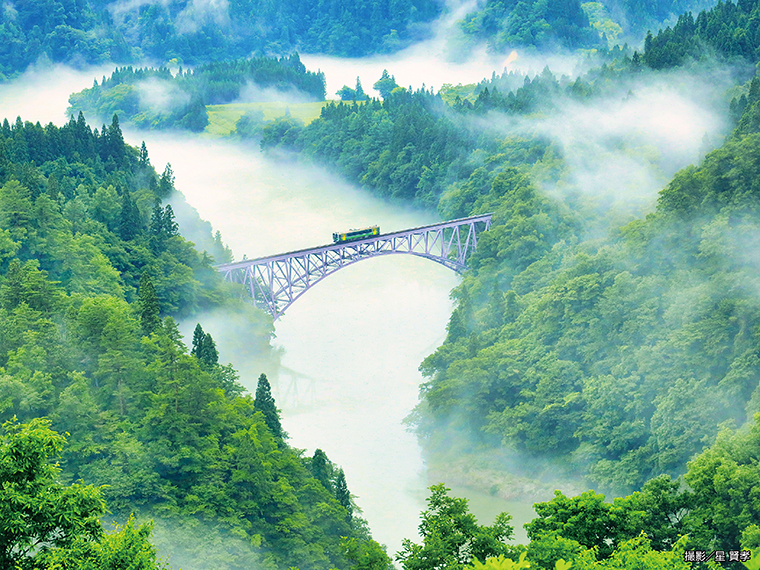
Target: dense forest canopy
93, 268
623, 353
81, 32
158, 98
627, 349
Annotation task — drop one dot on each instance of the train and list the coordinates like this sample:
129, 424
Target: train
352, 235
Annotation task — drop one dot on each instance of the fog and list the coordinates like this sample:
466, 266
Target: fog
621, 148
42, 93
345, 372
351, 346
444, 58
625, 149
160, 95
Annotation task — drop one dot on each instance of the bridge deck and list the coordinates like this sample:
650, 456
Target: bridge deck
275, 281
332, 246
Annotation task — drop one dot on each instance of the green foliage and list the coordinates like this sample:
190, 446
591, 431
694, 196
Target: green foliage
170, 435
37, 513
366, 555
451, 536
501, 563
585, 519
385, 85
753, 563
265, 404
142, 95
723, 479
504, 23
342, 494
126, 548
148, 305
627, 352
204, 348
727, 30
93, 31
402, 147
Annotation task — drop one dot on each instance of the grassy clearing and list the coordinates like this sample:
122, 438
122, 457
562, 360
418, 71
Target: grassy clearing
222, 118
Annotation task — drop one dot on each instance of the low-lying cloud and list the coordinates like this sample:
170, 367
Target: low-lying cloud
161, 95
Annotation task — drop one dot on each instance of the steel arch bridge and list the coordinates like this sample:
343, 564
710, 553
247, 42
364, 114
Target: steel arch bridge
276, 281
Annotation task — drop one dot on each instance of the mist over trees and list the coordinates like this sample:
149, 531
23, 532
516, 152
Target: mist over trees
623, 346
98, 31
157, 98
623, 353
185, 32
93, 270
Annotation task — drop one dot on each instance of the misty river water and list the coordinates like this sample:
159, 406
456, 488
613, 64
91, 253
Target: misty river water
351, 346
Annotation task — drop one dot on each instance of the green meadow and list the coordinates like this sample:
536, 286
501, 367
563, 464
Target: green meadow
222, 118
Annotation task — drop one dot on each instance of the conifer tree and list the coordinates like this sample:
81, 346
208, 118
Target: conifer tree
129, 217
114, 142
157, 219
166, 183
342, 494
147, 302
170, 227
144, 160
198, 335
204, 347
359, 90
264, 403
321, 469
209, 353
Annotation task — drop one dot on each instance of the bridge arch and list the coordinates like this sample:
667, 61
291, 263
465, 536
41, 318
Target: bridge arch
275, 282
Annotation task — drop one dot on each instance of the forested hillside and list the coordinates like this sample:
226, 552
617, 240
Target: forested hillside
587, 339
96, 31
191, 33
623, 353
505, 24
729, 31
662, 527
157, 98
93, 268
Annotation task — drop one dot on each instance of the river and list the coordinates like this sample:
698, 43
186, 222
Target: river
350, 346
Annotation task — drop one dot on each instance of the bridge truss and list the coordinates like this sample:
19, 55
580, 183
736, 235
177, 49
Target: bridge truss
275, 282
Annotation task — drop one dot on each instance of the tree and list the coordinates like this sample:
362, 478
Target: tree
144, 161
147, 302
129, 222
44, 524
198, 335
264, 403
346, 93
587, 520
360, 94
170, 227
321, 469
36, 512
366, 554
114, 141
166, 182
451, 536
204, 347
157, 220
386, 84
342, 494
724, 479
